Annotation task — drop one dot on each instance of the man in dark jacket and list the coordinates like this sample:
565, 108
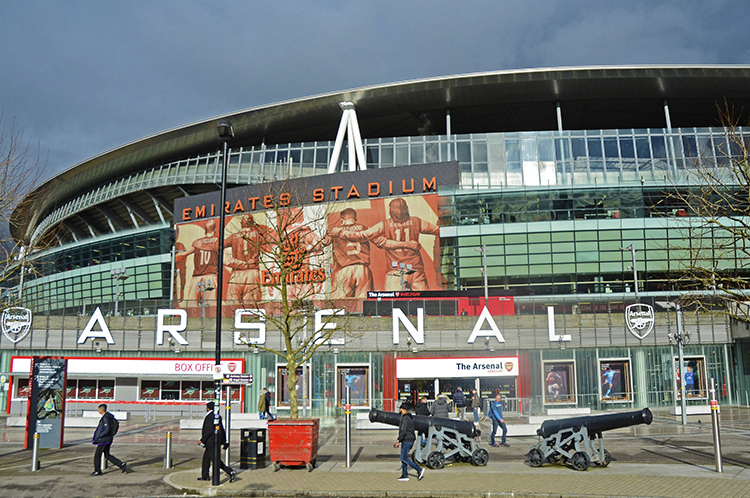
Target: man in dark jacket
459, 399
103, 436
423, 410
207, 441
406, 438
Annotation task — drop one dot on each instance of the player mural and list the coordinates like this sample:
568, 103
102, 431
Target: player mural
331, 255
559, 382
616, 382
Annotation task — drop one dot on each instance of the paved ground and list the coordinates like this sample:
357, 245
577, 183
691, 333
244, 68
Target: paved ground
664, 459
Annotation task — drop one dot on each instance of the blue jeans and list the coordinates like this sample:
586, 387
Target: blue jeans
405, 460
495, 425
476, 415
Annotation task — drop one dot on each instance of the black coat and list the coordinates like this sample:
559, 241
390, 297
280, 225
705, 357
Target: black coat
207, 432
406, 429
103, 432
422, 409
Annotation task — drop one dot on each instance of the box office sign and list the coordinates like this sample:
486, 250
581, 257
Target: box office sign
431, 368
135, 367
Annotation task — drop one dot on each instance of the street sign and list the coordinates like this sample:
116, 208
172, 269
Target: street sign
246, 379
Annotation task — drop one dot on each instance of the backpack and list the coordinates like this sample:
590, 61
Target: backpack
114, 426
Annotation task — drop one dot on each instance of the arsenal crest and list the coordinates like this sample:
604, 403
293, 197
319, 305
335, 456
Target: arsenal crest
509, 365
16, 323
232, 367
640, 319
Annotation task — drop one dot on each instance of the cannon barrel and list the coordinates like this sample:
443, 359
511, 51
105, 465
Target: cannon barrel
597, 423
422, 424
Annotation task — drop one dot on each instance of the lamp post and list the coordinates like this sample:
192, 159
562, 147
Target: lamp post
403, 269
483, 250
119, 275
680, 338
631, 248
203, 287
225, 130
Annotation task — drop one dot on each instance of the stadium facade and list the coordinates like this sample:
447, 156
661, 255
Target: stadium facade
555, 180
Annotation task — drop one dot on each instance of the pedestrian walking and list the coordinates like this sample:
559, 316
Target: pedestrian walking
267, 395
496, 414
103, 436
424, 411
406, 438
262, 404
207, 442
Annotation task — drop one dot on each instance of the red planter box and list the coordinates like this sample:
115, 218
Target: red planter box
293, 442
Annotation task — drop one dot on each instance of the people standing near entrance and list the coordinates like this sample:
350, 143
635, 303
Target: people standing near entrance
424, 411
406, 438
267, 395
476, 404
439, 408
262, 404
207, 441
459, 399
496, 414
103, 435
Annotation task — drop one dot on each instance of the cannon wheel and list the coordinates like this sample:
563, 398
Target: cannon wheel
580, 461
436, 460
536, 459
607, 459
480, 457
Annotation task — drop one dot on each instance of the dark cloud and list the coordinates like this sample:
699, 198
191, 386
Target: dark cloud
85, 77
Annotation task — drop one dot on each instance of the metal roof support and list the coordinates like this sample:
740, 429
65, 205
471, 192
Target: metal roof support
348, 126
160, 204
559, 116
135, 208
112, 216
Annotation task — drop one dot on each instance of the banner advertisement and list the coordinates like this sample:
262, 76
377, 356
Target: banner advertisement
333, 255
616, 384
559, 382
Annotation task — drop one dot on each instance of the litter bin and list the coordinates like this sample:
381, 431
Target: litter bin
253, 449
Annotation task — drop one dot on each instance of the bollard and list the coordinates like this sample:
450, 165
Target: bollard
348, 427
168, 456
35, 453
228, 424
715, 427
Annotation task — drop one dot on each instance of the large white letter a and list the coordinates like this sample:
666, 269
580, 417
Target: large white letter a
89, 332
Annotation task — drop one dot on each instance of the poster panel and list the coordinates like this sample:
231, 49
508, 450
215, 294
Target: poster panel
357, 378
559, 382
616, 381
696, 383
46, 407
282, 388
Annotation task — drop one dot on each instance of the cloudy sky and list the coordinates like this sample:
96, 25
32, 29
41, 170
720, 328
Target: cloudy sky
81, 78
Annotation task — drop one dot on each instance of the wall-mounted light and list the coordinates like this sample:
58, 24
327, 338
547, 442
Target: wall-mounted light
98, 347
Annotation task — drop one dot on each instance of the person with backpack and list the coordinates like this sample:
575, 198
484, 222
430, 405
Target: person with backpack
105, 432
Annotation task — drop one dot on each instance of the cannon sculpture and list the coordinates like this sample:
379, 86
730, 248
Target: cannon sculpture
578, 441
445, 438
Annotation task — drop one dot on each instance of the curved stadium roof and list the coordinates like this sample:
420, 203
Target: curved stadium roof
498, 101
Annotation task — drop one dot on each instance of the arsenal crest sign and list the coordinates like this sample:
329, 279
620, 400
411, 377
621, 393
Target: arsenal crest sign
640, 319
16, 323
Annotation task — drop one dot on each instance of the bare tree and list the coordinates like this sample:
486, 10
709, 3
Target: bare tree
280, 269
715, 252
21, 169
